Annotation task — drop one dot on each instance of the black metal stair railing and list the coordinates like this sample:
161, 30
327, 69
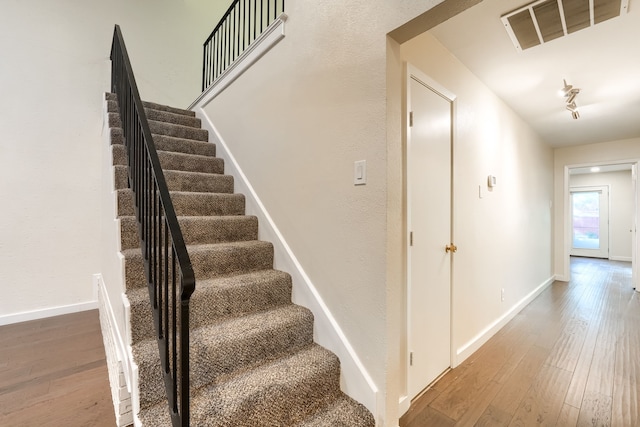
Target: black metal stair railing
243, 22
167, 265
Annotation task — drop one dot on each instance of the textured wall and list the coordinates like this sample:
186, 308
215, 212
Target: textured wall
55, 58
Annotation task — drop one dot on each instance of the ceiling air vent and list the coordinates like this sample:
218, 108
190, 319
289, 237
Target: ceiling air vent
545, 20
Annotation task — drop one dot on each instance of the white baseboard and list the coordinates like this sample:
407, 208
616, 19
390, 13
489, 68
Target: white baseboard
43, 313
621, 258
476, 342
403, 404
118, 363
355, 380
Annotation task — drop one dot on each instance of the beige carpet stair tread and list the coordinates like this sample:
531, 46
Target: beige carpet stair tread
195, 182
190, 203
182, 145
155, 106
170, 117
198, 229
217, 299
283, 392
223, 349
190, 162
171, 160
158, 115
178, 131
209, 260
344, 412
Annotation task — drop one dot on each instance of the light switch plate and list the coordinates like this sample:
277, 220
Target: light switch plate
360, 172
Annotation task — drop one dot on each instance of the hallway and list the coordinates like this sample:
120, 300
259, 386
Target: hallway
571, 357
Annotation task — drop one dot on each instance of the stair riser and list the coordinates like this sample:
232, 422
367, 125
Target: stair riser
168, 117
198, 230
178, 131
200, 183
218, 261
286, 403
121, 177
190, 163
168, 143
208, 204
213, 360
178, 181
227, 260
158, 115
134, 271
163, 128
175, 161
152, 105
190, 204
187, 146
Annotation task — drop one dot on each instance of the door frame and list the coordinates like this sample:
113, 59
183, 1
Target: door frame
591, 188
413, 72
635, 243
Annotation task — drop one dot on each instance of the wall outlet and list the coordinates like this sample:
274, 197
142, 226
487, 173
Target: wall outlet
502, 294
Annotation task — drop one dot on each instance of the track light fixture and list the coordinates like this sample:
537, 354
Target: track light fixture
570, 93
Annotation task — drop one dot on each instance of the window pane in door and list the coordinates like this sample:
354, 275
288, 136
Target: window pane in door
586, 219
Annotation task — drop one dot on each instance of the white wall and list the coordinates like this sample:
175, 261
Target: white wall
55, 67
296, 121
620, 208
503, 238
325, 97
602, 153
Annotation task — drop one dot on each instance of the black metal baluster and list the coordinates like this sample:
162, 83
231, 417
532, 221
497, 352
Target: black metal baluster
158, 225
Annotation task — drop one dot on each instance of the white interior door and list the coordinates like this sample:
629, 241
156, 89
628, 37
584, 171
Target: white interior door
429, 188
590, 221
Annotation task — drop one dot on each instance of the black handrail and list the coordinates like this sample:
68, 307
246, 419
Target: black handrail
168, 268
242, 23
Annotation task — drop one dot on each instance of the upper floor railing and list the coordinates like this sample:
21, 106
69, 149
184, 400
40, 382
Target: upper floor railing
167, 265
243, 22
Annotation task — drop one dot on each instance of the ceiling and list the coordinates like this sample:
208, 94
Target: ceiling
602, 60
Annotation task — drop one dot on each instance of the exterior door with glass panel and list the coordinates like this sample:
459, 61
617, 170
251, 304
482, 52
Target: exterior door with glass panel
590, 221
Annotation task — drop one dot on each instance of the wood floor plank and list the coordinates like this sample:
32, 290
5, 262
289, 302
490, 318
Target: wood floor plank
432, 418
595, 410
568, 416
571, 357
475, 411
543, 401
493, 417
626, 396
519, 383
54, 373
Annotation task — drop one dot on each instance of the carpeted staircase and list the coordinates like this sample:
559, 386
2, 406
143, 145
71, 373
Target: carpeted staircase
253, 359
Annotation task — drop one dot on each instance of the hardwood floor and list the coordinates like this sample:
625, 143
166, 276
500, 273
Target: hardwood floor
53, 373
570, 358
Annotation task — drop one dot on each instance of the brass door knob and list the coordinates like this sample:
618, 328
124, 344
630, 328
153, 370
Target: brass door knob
451, 248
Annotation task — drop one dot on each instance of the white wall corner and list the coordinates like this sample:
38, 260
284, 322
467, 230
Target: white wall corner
355, 380
476, 342
116, 354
